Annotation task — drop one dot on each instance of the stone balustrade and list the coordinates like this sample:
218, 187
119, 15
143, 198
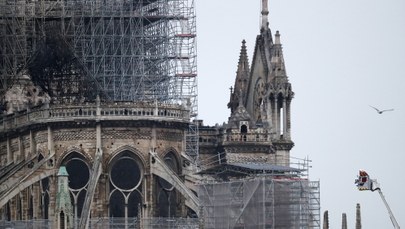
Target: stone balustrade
247, 137
107, 111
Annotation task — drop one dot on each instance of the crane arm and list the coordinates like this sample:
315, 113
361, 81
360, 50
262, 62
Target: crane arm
392, 217
364, 183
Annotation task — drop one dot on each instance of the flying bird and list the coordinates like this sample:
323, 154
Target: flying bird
381, 111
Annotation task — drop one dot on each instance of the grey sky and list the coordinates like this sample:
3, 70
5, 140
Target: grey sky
341, 56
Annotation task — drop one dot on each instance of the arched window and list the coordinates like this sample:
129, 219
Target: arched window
62, 220
167, 200
44, 198
126, 176
8, 212
19, 207
79, 176
243, 129
30, 204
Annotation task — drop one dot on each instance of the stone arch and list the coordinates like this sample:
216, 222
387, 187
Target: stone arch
271, 96
78, 166
126, 148
167, 197
280, 93
74, 149
243, 129
126, 169
175, 153
280, 96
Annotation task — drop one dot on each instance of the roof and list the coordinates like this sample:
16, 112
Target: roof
265, 167
252, 168
62, 171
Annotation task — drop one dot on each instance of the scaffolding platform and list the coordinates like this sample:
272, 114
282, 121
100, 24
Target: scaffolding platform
261, 202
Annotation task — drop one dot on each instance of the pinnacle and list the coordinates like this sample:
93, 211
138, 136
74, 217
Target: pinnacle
243, 59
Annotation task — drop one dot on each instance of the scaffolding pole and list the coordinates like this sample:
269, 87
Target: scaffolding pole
120, 50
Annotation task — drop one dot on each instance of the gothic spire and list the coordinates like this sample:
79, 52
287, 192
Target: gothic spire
243, 64
277, 59
241, 82
64, 208
265, 14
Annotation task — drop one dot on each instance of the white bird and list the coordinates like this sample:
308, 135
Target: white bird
381, 111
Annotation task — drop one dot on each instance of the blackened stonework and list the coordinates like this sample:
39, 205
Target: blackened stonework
78, 141
40, 137
99, 126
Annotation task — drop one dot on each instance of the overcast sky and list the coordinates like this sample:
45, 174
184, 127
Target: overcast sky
341, 56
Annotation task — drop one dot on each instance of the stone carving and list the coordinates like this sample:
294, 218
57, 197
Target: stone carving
127, 134
23, 95
170, 136
75, 135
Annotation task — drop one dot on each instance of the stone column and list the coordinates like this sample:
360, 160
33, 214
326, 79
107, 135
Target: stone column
265, 13
13, 208
50, 141
267, 112
32, 144
277, 118
325, 220
9, 153
288, 119
273, 121
24, 204
358, 217
285, 133
100, 198
36, 195
52, 197
21, 150
146, 211
344, 221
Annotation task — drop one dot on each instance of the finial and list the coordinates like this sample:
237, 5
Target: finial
265, 13
277, 38
62, 172
243, 61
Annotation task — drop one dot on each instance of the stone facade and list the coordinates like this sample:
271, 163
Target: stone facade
129, 159
37, 143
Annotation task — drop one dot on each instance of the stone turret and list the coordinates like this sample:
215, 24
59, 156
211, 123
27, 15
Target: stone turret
344, 221
23, 95
358, 217
64, 209
265, 14
238, 93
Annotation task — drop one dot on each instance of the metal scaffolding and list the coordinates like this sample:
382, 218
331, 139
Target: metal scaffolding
120, 50
123, 50
261, 202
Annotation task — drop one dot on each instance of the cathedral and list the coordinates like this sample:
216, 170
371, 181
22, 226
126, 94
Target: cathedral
96, 133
